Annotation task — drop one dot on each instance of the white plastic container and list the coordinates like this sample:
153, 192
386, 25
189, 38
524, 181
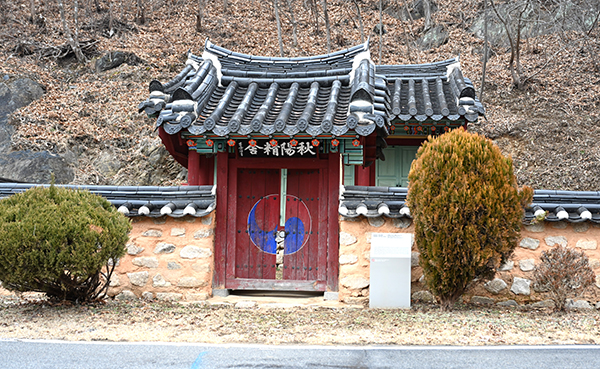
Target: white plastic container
390, 270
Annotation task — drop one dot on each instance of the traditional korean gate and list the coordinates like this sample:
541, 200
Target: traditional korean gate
257, 231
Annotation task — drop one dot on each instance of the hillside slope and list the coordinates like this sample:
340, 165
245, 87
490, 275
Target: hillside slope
90, 118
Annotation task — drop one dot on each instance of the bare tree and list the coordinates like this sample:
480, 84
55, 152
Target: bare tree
278, 21
485, 48
72, 39
513, 28
360, 21
312, 5
294, 22
380, 29
427, 11
32, 7
141, 15
200, 15
327, 27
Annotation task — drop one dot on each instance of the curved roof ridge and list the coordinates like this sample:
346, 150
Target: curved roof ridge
224, 53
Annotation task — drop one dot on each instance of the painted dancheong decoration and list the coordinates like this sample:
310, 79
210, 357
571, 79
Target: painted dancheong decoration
269, 236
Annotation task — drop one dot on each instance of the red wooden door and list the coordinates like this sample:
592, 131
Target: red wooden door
258, 200
299, 237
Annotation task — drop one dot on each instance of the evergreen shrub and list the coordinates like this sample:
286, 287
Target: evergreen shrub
563, 272
467, 211
61, 242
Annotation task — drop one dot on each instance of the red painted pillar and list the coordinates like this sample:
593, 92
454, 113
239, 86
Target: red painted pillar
207, 169
193, 168
362, 176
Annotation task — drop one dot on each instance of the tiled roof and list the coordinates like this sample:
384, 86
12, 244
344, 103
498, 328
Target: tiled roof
574, 206
433, 91
226, 93
553, 206
150, 201
373, 201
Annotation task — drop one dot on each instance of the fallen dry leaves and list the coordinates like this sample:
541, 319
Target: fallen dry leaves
550, 128
223, 323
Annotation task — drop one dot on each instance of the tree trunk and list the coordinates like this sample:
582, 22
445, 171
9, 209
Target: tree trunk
32, 8
141, 12
110, 19
313, 6
485, 48
360, 21
427, 10
199, 16
294, 23
278, 21
380, 29
513, 46
72, 40
327, 27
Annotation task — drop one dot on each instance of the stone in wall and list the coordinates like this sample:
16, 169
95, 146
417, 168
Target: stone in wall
508, 303
527, 265
355, 282
138, 278
126, 295
348, 259
196, 296
207, 220
169, 296
520, 286
376, 222
114, 281
559, 225
529, 243
152, 233
581, 227
203, 233
509, 265
556, 240
482, 300
159, 281
423, 296
536, 228
133, 249
164, 248
579, 304
147, 295
177, 232
201, 268
594, 263
346, 239
191, 282
585, 244
146, 262
414, 259
402, 223
194, 252
543, 304
171, 265
495, 286
598, 280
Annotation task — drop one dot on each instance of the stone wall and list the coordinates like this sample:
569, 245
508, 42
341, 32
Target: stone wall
167, 259
513, 281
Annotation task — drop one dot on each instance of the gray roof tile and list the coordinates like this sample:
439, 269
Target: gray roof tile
134, 197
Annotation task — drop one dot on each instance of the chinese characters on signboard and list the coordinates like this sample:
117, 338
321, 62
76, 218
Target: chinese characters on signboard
264, 148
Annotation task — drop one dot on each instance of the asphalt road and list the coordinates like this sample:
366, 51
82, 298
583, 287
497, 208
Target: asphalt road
24, 354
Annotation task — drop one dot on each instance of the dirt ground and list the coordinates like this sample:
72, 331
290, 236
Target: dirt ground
292, 320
